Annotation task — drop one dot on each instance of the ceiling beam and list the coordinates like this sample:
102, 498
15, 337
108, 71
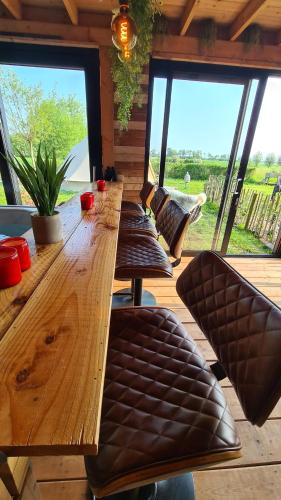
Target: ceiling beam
72, 10
14, 7
187, 16
246, 17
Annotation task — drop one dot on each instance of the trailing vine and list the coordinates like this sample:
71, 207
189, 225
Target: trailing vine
126, 75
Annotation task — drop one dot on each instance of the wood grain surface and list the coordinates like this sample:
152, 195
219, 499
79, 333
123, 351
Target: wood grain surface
13, 299
52, 358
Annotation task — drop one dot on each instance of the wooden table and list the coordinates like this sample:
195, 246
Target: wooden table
54, 327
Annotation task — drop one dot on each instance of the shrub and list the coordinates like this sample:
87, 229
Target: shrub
197, 171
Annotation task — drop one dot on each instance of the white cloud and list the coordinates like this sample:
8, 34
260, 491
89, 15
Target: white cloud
268, 134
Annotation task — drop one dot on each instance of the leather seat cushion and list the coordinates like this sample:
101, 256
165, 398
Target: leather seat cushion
243, 327
130, 206
162, 404
141, 256
133, 224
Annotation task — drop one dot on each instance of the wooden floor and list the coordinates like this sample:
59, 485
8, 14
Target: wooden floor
257, 475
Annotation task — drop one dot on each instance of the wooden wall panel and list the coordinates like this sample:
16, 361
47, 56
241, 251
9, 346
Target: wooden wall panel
129, 147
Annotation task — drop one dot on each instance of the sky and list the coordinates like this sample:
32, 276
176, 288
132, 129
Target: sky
66, 81
203, 116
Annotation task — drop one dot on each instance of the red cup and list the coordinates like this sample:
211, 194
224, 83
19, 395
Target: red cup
87, 200
10, 272
101, 185
22, 248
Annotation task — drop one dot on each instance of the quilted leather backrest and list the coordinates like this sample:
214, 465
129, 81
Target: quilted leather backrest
172, 223
146, 193
243, 327
159, 200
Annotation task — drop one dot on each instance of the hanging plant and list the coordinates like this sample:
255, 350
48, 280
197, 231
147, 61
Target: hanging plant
126, 74
252, 36
208, 34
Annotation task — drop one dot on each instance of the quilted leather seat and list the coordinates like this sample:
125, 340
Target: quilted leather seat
146, 195
159, 201
163, 410
243, 327
140, 256
133, 224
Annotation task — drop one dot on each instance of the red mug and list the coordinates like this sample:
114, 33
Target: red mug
22, 248
87, 200
10, 272
101, 185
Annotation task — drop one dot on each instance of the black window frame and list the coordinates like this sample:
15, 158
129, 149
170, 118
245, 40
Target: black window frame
160, 68
62, 57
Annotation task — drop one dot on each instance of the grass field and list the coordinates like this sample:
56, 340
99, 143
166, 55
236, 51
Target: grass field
63, 196
200, 235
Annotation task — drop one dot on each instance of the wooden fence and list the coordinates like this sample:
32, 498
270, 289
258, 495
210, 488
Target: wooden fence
256, 212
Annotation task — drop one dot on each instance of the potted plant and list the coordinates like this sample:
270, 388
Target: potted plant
42, 181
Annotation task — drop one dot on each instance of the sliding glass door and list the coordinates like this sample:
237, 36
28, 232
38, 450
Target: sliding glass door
201, 149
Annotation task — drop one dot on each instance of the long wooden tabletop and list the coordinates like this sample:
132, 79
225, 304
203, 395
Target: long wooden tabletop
53, 356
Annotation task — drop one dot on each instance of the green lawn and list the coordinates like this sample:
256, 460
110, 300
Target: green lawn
63, 196
200, 235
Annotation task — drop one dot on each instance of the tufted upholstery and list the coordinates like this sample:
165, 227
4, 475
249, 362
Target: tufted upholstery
172, 224
133, 223
159, 200
146, 195
141, 256
243, 327
163, 410
130, 206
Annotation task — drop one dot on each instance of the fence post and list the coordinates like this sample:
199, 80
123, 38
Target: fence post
251, 210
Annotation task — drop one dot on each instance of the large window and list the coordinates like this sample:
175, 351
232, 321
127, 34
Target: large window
204, 148
51, 96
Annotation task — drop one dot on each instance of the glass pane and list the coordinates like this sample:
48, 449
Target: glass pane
158, 108
202, 122
258, 218
48, 105
3, 200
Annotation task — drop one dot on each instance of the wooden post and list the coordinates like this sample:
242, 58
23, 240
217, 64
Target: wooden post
7, 477
107, 107
247, 223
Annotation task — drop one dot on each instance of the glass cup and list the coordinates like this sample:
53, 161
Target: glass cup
22, 248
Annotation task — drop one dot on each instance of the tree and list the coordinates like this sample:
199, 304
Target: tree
257, 158
270, 159
279, 160
59, 122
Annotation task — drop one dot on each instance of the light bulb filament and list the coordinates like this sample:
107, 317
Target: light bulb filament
124, 31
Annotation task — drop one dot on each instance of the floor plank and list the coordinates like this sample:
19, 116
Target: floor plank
253, 483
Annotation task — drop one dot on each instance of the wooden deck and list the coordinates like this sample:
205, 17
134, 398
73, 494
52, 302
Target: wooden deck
257, 474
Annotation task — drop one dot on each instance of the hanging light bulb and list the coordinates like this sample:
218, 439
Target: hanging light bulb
124, 31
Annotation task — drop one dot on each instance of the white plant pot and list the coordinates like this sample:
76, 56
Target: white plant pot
46, 228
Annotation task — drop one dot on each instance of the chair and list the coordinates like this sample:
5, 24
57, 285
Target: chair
141, 256
133, 223
146, 195
164, 413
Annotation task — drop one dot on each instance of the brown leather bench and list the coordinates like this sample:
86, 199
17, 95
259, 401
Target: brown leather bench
164, 412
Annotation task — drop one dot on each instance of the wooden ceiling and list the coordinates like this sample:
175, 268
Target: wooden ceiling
234, 15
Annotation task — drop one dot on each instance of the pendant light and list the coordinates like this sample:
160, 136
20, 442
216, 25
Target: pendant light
124, 32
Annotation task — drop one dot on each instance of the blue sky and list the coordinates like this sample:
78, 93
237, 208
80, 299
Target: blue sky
203, 115
65, 81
